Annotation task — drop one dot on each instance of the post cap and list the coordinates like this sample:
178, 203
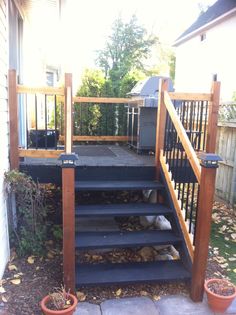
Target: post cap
209, 160
68, 160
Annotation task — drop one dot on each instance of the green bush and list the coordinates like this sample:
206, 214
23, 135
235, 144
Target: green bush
29, 228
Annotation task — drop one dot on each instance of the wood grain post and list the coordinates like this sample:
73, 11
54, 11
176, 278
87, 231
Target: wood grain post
161, 122
13, 119
68, 202
68, 113
213, 117
203, 230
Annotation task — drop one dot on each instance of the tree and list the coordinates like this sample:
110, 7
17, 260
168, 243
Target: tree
93, 82
87, 116
125, 50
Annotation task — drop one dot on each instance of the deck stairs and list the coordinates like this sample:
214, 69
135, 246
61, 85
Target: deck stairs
131, 179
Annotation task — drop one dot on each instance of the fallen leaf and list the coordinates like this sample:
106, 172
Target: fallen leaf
16, 281
118, 292
30, 260
12, 267
4, 299
2, 282
81, 296
233, 236
2, 290
37, 268
232, 259
224, 265
144, 293
50, 255
156, 297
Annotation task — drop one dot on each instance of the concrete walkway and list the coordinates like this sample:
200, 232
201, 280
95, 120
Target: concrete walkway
167, 305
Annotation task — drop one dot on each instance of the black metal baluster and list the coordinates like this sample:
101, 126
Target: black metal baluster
172, 140
191, 208
196, 215
80, 122
198, 142
205, 124
36, 122
187, 201
181, 148
55, 120
46, 122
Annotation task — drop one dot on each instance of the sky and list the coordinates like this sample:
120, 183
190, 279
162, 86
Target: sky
87, 24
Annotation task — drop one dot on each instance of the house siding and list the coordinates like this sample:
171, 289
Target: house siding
197, 61
4, 138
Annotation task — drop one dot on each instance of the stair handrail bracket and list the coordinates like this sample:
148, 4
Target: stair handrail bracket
185, 158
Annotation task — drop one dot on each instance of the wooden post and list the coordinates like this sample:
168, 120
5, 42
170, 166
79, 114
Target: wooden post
13, 117
68, 201
203, 229
213, 117
68, 113
161, 122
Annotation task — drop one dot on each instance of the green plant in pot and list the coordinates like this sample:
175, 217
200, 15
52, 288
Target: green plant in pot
59, 302
220, 294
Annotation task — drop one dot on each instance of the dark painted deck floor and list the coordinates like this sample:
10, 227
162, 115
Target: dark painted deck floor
100, 155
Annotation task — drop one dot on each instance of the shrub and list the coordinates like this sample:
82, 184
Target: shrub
29, 229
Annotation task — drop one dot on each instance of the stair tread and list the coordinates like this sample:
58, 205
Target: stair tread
92, 240
117, 185
123, 209
126, 273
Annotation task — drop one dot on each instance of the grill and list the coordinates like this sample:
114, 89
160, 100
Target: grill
142, 117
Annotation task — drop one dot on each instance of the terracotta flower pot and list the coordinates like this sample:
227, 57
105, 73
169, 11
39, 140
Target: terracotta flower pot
67, 311
219, 303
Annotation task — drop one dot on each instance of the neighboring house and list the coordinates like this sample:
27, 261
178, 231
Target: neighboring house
22, 34
206, 48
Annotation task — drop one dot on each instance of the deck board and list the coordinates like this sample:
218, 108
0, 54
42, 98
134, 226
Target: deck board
100, 155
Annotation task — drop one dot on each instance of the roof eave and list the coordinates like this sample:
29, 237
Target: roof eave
205, 27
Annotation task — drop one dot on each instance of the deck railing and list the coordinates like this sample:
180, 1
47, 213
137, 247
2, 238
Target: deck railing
53, 120
186, 124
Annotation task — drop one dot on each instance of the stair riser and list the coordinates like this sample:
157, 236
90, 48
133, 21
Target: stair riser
52, 173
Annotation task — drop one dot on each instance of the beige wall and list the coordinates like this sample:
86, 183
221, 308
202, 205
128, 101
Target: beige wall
197, 61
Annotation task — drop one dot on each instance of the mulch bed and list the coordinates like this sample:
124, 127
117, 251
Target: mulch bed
45, 273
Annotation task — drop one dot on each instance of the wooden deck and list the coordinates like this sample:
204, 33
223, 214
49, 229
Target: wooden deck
99, 155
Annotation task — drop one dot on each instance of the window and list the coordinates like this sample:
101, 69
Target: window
50, 78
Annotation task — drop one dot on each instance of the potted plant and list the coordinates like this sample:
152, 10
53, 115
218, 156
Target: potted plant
59, 302
220, 294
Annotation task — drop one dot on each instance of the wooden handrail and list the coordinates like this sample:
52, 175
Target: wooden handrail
107, 100
191, 154
110, 100
48, 90
190, 96
97, 138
